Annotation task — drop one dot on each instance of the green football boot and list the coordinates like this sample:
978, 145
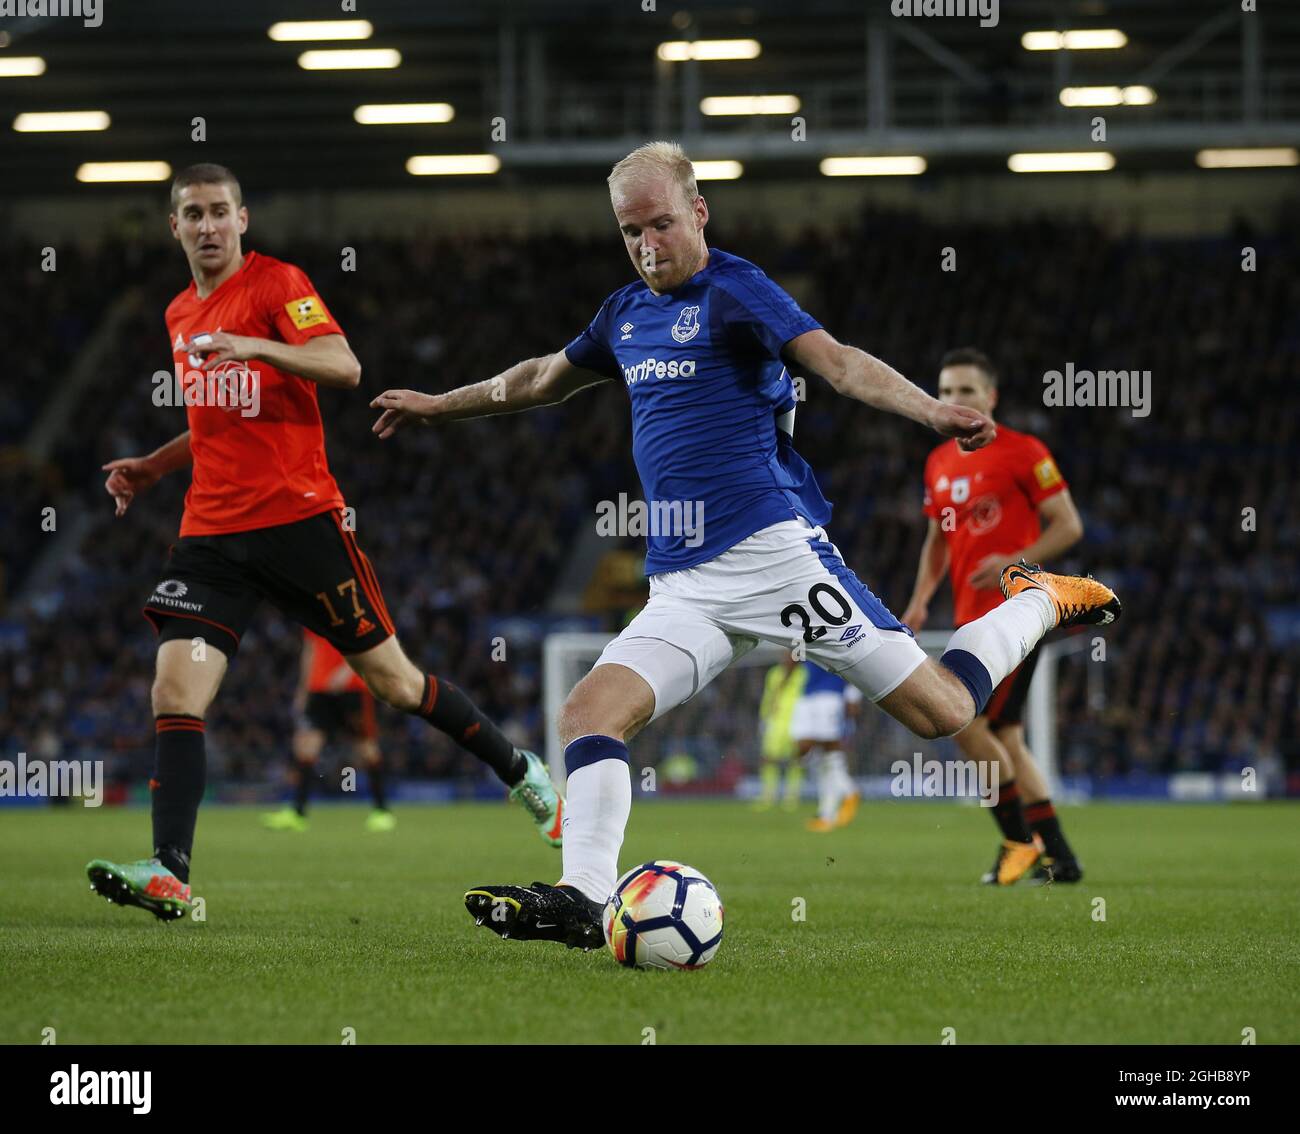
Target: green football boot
286, 819
379, 820
537, 795
147, 884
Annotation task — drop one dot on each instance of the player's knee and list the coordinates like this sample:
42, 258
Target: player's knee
172, 695
951, 718
586, 715
401, 688
923, 728
941, 718
570, 722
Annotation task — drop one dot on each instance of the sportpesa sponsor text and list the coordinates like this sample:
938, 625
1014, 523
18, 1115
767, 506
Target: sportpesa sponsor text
658, 368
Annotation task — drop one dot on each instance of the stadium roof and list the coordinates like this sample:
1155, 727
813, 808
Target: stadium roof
576, 82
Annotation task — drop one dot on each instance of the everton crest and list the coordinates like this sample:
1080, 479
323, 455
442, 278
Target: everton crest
687, 325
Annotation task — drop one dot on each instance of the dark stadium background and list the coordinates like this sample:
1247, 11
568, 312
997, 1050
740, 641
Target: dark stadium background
477, 529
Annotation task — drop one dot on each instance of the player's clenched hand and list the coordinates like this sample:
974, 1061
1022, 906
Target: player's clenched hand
220, 346
971, 428
402, 407
126, 477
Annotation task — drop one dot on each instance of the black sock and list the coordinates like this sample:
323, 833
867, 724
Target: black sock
180, 771
1008, 816
446, 707
376, 771
302, 789
1042, 820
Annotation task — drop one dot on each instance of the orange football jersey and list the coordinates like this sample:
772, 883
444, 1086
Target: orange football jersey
986, 502
330, 672
255, 431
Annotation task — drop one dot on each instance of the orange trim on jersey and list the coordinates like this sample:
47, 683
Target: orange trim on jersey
165, 725
365, 580
431, 697
385, 617
372, 584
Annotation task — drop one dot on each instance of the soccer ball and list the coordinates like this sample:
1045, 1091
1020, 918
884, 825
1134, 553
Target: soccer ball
663, 915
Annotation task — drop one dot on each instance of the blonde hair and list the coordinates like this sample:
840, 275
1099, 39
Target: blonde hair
656, 159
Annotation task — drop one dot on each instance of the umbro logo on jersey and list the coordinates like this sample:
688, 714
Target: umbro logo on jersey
626, 328
687, 325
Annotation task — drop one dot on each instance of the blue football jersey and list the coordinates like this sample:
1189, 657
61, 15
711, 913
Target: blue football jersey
820, 681
712, 407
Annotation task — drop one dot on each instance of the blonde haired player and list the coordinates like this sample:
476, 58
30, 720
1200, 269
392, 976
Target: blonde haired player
700, 341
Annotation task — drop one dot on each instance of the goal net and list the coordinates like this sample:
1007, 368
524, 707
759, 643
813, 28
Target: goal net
711, 743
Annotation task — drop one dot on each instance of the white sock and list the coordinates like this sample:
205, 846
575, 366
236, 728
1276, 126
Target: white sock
827, 787
597, 804
844, 785
1002, 639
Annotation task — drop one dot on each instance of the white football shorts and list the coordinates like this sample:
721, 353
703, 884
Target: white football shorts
818, 716
785, 584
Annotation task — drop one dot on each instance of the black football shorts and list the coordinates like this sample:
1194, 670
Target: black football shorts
350, 712
313, 571
1007, 705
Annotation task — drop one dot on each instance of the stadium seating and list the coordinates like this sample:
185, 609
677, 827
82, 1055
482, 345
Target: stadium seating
475, 520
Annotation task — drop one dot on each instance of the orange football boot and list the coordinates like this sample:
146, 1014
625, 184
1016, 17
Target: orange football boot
1077, 599
847, 809
1014, 861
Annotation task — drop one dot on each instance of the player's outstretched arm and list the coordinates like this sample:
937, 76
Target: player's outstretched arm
526, 385
856, 374
130, 475
929, 575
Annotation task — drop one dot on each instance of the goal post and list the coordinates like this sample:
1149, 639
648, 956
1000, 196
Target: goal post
722, 719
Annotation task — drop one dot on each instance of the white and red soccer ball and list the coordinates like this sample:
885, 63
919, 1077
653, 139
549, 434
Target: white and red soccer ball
663, 915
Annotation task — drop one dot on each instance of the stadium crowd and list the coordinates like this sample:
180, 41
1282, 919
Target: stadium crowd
1189, 511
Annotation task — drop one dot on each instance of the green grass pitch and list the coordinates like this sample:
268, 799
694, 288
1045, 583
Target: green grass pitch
308, 935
